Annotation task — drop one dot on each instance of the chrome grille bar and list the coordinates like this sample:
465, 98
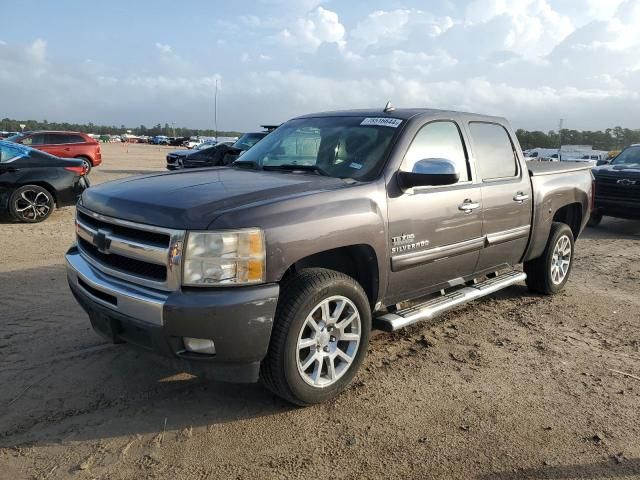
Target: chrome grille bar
100, 241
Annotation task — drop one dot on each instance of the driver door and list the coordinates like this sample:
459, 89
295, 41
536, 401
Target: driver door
436, 232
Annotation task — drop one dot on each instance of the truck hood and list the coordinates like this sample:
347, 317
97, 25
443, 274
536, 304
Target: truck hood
192, 199
618, 171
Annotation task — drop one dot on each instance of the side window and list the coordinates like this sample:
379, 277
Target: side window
27, 141
440, 139
75, 139
56, 139
493, 151
37, 139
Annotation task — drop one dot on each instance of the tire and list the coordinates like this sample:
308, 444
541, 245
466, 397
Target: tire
549, 273
31, 204
594, 220
87, 163
302, 297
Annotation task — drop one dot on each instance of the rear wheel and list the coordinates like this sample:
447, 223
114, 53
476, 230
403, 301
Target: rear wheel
549, 273
319, 337
86, 163
31, 204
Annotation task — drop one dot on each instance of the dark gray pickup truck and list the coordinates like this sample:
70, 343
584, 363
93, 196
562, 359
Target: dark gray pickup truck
278, 267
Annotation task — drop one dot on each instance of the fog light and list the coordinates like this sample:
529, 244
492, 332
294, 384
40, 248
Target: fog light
199, 345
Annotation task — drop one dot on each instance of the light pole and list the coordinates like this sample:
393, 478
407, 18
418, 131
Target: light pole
215, 111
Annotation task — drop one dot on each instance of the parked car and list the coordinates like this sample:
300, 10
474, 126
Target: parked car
64, 145
33, 183
278, 266
178, 141
193, 143
160, 140
618, 186
223, 153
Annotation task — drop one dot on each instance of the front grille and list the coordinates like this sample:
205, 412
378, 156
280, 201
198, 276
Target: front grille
610, 188
157, 273
141, 254
158, 239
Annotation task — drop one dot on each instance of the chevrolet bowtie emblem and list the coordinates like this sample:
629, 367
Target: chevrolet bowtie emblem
101, 241
626, 181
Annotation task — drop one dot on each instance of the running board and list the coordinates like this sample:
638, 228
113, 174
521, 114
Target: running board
425, 311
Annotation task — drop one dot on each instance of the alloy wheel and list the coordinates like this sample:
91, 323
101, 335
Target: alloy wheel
328, 341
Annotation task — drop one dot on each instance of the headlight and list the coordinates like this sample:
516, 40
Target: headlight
224, 258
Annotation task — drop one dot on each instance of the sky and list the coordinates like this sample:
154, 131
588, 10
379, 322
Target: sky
133, 63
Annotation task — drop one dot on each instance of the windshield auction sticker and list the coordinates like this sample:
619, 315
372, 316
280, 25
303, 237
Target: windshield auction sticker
382, 122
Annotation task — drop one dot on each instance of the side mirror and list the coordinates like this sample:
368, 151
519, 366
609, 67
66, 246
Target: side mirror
603, 162
430, 172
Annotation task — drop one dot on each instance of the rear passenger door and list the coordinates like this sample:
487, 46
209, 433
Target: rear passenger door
506, 195
58, 144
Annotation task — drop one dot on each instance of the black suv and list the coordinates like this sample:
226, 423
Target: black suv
618, 187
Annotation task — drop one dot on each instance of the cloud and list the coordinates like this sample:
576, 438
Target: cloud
318, 27
164, 48
533, 61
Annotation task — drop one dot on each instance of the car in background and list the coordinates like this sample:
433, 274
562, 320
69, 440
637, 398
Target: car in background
221, 154
160, 140
33, 183
193, 143
64, 145
617, 185
178, 141
175, 160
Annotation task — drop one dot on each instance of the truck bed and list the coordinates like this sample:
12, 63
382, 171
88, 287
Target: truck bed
537, 168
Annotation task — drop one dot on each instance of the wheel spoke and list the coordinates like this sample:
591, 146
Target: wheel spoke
338, 310
317, 369
349, 337
326, 314
24, 197
312, 323
347, 321
331, 368
343, 355
308, 361
306, 343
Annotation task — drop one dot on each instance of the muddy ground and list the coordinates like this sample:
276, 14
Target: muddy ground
516, 386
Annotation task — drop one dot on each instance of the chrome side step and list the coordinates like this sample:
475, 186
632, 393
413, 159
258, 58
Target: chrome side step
436, 306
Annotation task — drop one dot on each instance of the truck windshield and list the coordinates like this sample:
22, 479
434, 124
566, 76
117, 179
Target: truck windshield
345, 147
630, 156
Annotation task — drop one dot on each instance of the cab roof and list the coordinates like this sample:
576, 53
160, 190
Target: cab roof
403, 114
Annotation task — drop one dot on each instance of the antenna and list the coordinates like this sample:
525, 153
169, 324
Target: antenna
388, 107
215, 110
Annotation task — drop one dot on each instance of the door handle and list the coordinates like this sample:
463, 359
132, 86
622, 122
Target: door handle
520, 197
468, 206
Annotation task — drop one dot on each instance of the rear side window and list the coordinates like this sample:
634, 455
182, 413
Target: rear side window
8, 153
63, 138
493, 151
438, 140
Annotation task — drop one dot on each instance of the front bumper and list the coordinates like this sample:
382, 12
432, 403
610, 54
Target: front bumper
619, 208
238, 320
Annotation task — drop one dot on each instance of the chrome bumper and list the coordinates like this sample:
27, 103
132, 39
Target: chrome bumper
137, 302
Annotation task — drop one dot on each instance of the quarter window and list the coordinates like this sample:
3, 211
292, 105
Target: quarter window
493, 151
439, 139
8, 153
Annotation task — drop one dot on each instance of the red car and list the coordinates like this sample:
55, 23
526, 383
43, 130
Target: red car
63, 144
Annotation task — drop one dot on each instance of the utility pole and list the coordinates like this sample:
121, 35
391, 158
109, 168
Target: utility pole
215, 110
560, 139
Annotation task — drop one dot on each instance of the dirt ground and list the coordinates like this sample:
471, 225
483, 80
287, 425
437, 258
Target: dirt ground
516, 386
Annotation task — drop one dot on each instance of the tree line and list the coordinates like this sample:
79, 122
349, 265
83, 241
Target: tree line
10, 125
609, 139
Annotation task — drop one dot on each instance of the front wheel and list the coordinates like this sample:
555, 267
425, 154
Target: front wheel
549, 273
320, 336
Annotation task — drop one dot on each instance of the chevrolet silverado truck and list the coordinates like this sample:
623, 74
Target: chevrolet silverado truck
617, 187
278, 267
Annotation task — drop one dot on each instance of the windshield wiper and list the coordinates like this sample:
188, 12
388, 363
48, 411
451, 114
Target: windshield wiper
293, 167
